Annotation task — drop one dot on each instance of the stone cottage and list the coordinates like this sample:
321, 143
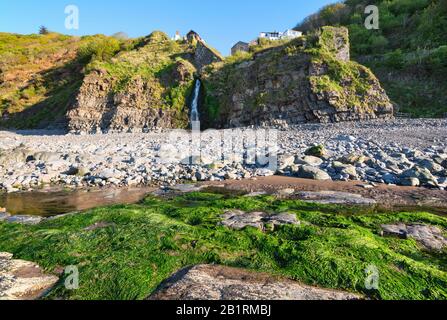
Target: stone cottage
240, 46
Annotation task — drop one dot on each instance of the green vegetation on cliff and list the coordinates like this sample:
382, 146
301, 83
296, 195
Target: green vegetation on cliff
347, 81
40, 74
138, 246
408, 52
317, 64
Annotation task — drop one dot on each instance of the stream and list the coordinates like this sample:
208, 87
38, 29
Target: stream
51, 203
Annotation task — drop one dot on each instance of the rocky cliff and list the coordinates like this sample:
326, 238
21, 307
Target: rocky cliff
141, 89
310, 79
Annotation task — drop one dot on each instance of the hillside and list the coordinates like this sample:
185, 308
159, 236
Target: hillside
141, 89
103, 84
39, 75
408, 53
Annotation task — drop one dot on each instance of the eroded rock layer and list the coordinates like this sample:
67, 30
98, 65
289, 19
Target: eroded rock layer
309, 79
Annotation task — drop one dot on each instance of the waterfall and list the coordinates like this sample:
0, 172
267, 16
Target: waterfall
195, 102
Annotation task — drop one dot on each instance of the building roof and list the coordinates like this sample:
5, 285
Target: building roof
241, 42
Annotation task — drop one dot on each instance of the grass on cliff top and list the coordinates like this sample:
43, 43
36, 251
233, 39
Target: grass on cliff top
144, 244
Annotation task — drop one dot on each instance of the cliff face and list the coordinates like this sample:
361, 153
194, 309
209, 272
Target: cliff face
141, 89
39, 74
306, 80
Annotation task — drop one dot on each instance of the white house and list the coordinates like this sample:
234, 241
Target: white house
291, 34
288, 34
177, 36
270, 35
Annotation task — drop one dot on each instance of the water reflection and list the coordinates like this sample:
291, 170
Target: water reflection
51, 203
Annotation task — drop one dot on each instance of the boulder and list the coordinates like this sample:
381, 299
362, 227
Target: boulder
238, 220
423, 174
23, 280
431, 237
334, 197
430, 165
286, 160
310, 161
24, 219
110, 173
309, 172
345, 169
409, 182
316, 151
214, 282
354, 159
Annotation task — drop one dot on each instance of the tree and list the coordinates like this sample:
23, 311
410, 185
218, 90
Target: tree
43, 30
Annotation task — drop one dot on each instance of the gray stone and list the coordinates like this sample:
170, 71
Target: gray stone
345, 169
23, 280
31, 220
285, 192
110, 173
423, 174
430, 165
409, 182
238, 220
390, 178
4, 215
309, 172
334, 197
45, 156
431, 237
310, 161
286, 160
213, 282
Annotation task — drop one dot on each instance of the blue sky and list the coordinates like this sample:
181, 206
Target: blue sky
220, 23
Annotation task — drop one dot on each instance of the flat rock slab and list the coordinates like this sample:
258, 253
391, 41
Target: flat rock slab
431, 237
213, 282
334, 197
30, 220
180, 188
238, 220
22, 280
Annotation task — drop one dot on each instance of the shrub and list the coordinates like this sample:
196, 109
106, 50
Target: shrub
158, 36
438, 59
102, 49
395, 59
